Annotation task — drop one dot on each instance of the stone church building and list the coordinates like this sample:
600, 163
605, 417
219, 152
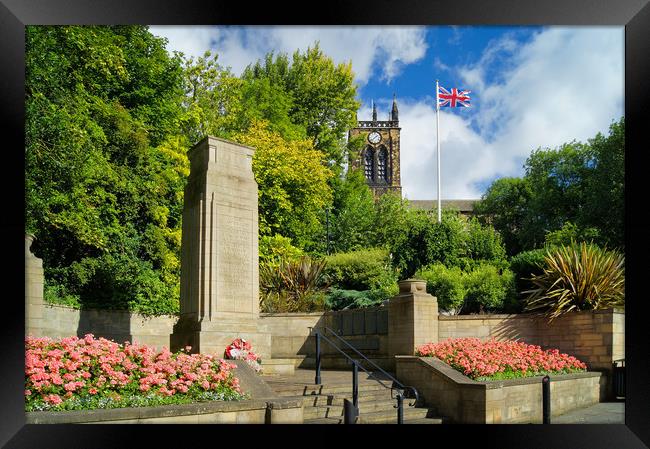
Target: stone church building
379, 158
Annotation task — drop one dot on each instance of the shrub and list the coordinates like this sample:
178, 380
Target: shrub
526, 265
578, 277
496, 360
292, 286
85, 373
570, 232
338, 299
447, 284
488, 290
453, 242
362, 270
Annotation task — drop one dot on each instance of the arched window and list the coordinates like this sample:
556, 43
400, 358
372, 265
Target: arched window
369, 164
382, 159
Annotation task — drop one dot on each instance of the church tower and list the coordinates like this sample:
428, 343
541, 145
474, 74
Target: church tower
378, 156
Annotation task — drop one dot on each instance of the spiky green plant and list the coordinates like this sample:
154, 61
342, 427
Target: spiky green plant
577, 277
292, 286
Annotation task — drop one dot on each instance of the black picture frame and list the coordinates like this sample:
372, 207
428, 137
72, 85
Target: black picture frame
15, 14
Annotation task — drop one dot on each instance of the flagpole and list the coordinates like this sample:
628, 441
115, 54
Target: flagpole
438, 151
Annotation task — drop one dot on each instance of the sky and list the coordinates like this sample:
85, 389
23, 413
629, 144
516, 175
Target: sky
530, 88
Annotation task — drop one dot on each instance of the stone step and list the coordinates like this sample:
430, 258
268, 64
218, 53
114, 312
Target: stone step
278, 367
390, 416
337, 399
322, 411
411, 415
308, 390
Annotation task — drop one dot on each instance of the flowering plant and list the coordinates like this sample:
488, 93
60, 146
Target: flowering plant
496, 360
241, 349
83, 373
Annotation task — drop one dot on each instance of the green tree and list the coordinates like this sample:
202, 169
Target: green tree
293, 184
322, 96
213, 99
557, 179
574, 191
504, 206
391, 219
103, 168
604, 191
352, 218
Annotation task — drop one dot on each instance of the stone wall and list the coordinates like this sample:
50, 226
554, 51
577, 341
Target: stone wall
365, 329
595, 337
61, 321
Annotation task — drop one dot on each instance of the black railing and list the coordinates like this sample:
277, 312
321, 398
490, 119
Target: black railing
351, 410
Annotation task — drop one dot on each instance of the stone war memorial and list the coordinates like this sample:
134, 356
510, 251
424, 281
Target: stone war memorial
219, 255
308, 358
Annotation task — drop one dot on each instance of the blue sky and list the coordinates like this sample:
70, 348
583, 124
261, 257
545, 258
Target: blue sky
531, 87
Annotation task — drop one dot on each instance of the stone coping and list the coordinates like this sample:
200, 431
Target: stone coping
115, 414
488, 316
452, 375
90, 309
317, 314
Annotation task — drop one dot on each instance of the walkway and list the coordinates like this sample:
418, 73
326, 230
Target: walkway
602, 413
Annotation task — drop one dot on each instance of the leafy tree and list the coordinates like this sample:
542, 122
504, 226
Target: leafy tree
557, 179
604, 191
352, 218
504, 205
213, 99
292, 179
103, 168
391, 219
575, 190
322, 95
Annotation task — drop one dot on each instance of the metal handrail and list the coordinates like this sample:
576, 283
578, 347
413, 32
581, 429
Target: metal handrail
366, 359
401, 386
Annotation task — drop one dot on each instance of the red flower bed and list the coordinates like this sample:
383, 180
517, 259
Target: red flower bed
84, 373
494, 360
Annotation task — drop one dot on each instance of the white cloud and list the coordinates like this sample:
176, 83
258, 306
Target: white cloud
386, 49
565, 84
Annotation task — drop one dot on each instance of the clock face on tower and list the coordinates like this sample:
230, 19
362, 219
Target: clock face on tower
374, 137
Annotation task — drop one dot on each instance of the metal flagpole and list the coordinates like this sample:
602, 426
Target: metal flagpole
438, 151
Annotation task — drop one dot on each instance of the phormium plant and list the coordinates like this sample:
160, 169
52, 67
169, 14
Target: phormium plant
578, 277
292, 286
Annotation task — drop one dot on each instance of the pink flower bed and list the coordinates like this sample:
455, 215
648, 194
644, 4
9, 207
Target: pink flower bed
78, 373
493, 360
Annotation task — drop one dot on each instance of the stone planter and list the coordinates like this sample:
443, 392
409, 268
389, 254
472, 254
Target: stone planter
463, 400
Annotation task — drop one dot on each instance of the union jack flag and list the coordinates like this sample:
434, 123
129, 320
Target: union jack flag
453, 99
